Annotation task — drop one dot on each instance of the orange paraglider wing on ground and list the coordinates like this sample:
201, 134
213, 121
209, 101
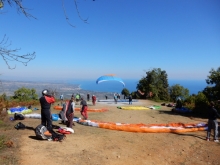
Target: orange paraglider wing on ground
78, 109
147, 128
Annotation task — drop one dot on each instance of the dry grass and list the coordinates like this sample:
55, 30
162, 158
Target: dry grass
8, 138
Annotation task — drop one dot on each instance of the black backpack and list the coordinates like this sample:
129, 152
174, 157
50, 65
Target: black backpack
20, 126
57, 136
18, 116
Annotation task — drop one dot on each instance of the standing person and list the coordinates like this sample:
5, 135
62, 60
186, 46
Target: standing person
84, 108
115, 98
77, 98
179, 103
106, 97
88, 96
93, 99
212, 122
61, 97
118, 96
69, 108
45, 101
130, 99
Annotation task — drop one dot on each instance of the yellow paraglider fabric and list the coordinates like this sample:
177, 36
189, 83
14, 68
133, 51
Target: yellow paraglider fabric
134, 108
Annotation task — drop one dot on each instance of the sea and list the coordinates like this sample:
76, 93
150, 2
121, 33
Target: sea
194, 86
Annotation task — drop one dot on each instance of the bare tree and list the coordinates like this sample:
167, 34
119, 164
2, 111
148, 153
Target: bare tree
66, 16
23, 10
10, 54
53, 92
6, 52
18, 5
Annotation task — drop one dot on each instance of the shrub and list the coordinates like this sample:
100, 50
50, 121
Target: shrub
201, 104
2, 141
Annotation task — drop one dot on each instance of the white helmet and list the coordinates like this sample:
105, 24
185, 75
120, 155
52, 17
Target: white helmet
45, 92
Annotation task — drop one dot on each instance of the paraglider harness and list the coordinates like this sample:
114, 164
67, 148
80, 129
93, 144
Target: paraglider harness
42, 132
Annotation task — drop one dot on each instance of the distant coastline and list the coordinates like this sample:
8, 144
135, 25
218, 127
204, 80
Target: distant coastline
194, 86
89, 86
8, 87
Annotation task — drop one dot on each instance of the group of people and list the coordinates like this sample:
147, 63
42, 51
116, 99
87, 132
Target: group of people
68, 107
117, 97
93, 98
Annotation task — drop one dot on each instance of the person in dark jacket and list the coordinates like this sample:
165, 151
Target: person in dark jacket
88, 96
45, 101
212, 122
130, 99
69, 108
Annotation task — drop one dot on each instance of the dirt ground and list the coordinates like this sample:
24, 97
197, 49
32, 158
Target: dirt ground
98, 146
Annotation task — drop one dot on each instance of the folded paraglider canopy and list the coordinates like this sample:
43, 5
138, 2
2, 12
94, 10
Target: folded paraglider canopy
109, 77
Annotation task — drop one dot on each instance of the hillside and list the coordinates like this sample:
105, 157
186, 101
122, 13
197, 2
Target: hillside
98, 146
9, 87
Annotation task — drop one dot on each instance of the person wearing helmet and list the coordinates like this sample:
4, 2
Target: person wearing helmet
45, 101
84, 108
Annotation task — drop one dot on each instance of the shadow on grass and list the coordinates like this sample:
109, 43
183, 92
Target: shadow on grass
30, 128
184, 134
193, 135
34, 137
189, 114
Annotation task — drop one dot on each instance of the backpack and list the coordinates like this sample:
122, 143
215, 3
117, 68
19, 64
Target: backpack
19, 126
42, 132
57, 136
18, 116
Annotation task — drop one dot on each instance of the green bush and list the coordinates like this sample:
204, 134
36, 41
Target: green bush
25, 94
201, 104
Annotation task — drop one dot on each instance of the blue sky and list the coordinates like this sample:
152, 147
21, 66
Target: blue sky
122, 37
